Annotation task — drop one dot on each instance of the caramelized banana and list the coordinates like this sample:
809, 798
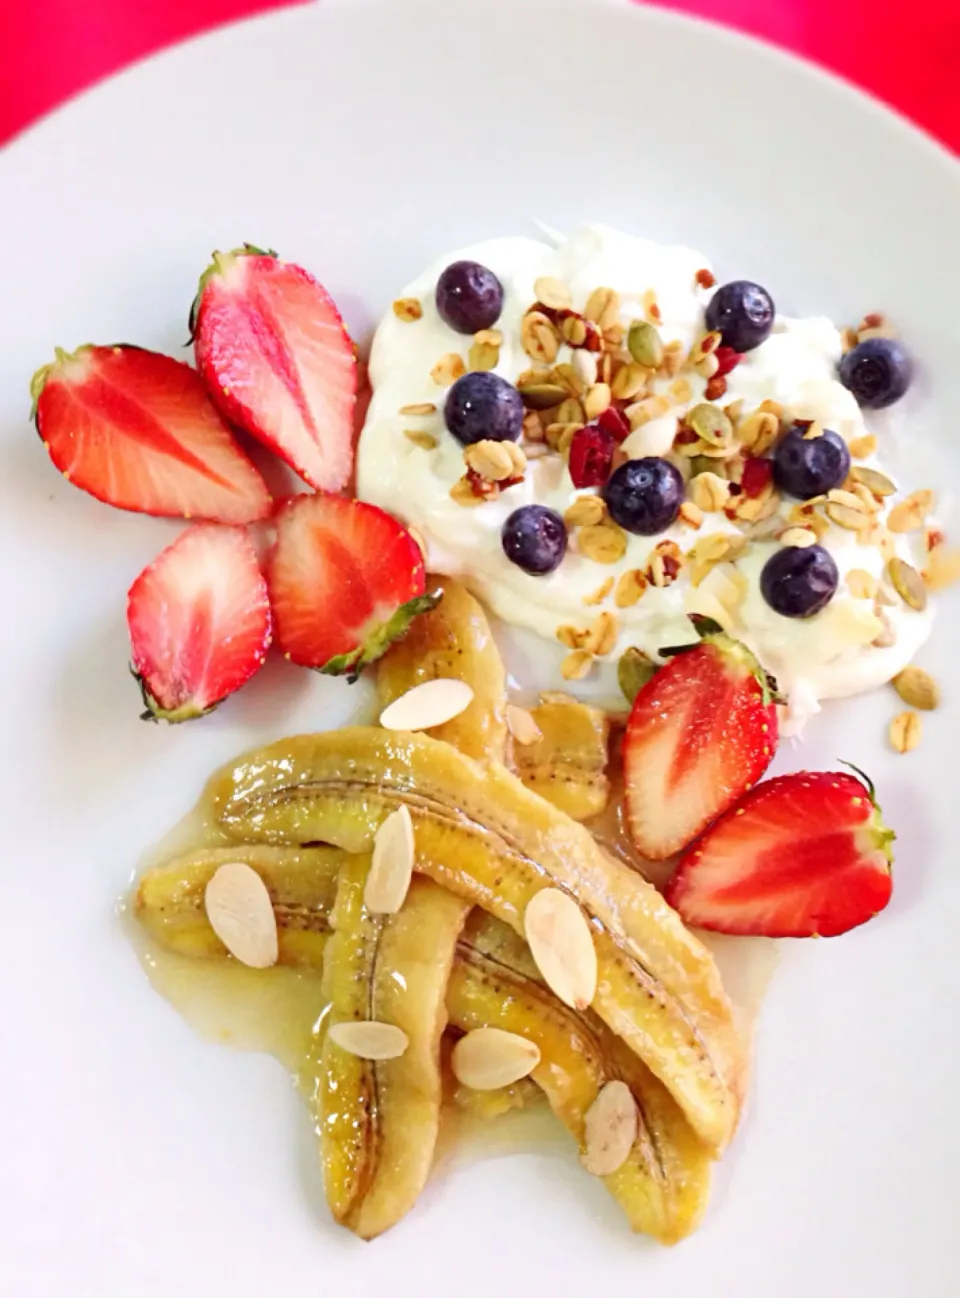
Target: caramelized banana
482, 835
662, 1188
302, 883
568, 764
664, 1185
453, 639
379, 1119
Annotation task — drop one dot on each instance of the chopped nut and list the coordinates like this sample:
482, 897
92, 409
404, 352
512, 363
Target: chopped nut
672, 358
691, 514
596, 399
551, 292
448, 369
570, 637
906, 731
651, 307
521, 725
604, 542
574, 330
603, 307
854, 520
602, 636
496, 461
463, 493
555, 434
600, 594
862, 584
567, 377
875, 325
878, 484
709, 492
418, 408
576, 665
943, 568
566, 438
798, 537
533, 430
484, 353
887, 636
680, 391
707, 366
539, 337
758, 431
630, 587
863, 446
917, 688
419, 438
911, 513
629, 381
641, 412
570, 411
586, 511
408, 309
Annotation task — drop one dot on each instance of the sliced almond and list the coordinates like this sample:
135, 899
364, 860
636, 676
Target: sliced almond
609, 1129
241, 914
943, 568
522, 726
391, 867
427, 705
917, 688
368, 1039
911, 513
489, 1058
561, 943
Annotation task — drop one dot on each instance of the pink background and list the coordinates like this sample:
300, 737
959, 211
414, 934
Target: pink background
907, 55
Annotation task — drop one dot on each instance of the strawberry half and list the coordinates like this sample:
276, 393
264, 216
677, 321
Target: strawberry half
278, 361
804, 855
200, 624
138, 430
700, 733
345, 579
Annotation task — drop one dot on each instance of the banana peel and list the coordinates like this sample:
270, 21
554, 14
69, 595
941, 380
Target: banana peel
567, 765
485, 837
453, 640
379, 1120
663, 1186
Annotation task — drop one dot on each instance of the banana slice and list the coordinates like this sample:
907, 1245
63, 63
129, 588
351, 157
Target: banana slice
567, 765
482, 835
453, 640
664, 1185
379, 1120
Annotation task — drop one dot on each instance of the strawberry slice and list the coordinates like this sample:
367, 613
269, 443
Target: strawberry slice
278, 361
700, 733
804, 855
345, 579
137, 430
200, 624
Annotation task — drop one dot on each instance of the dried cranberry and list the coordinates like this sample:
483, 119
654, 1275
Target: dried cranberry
614, 422
757, 474
591, 454
727, 359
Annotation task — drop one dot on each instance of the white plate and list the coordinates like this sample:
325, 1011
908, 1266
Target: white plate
361, 138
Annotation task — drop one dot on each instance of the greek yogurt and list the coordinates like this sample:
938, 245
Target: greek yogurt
408, 463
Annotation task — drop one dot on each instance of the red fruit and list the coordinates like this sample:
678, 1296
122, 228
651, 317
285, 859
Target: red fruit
803, 855
200, 624
591, 454
614, 422
757, 475
278, 361
727, 360
701, 732
138, 431
345, 579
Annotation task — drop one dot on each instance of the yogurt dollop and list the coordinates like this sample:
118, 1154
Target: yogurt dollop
829, 655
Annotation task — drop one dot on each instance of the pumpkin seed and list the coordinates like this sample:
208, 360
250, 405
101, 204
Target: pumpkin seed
645, 344
878, 483
908, 584
633, 671
710, 424
906, 731
542, 396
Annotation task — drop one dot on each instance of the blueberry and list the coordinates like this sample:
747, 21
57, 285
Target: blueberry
535, 539
644, 496
743, 313
482, 406
807, 467
798, 582
469, 297
877, 371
